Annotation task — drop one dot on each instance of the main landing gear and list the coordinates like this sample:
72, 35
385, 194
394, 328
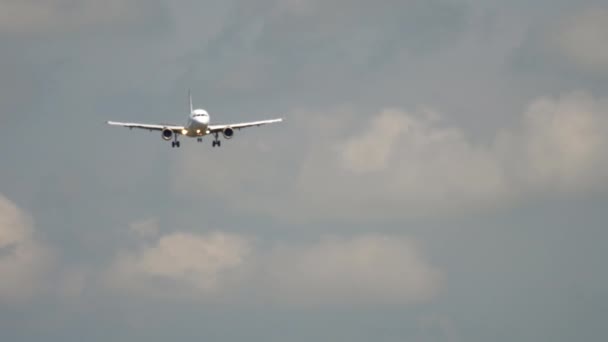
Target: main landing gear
217, 141
175, 143
199, 139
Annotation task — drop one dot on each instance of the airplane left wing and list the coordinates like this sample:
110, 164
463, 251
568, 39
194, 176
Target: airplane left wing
175, 129
218, 128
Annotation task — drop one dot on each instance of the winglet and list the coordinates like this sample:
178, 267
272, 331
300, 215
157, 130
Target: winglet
190, 98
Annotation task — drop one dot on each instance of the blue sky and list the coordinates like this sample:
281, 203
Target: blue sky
440, 174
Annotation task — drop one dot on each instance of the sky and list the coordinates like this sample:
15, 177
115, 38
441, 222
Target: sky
440, 174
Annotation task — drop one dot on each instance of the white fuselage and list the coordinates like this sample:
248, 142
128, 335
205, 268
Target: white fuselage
198, 123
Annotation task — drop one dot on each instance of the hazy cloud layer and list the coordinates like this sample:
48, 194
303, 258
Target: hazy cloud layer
65, 16
397, 164
567, 48
182, 260
440, 174
583, 38
366, 269
24, 262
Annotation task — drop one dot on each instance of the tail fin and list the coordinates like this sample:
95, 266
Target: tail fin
190, 98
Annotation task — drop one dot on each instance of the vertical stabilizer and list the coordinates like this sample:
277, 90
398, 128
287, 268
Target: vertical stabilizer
190, 98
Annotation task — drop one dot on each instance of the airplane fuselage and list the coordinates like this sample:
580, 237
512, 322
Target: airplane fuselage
198, 123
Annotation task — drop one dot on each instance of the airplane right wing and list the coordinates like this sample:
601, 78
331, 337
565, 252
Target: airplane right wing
217, 128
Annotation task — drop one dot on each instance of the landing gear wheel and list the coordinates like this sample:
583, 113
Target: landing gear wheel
177, 144
199, 139
216, 142
173, 144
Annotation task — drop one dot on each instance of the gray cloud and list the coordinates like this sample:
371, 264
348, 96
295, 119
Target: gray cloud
366, 269
33, 17
407, 123
564, 50
268, 46
24, 262
184, 261
582, 38
397, 164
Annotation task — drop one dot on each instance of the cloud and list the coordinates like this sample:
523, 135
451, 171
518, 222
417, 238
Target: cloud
24, 262
271, 46
34, 16
583, 38
398, 164
180, 262
365, 269
145, 228
15, 226
314, 21
562, 144
371, 151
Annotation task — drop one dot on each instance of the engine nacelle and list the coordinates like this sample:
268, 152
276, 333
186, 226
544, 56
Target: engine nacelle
228, 132
167, 134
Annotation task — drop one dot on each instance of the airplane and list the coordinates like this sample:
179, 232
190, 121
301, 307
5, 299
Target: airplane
198, 125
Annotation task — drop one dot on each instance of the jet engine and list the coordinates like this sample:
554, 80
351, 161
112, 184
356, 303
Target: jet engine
228, 132
167, 134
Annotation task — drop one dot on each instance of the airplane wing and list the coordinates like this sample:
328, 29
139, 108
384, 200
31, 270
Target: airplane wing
131, 125
218, 128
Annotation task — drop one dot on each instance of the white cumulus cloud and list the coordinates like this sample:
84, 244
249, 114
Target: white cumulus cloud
364, 269
180, 261
399, 164
562, 144
23, 260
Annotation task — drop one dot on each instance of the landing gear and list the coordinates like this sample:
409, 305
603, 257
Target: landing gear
175, 143
217, 141
199, 139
